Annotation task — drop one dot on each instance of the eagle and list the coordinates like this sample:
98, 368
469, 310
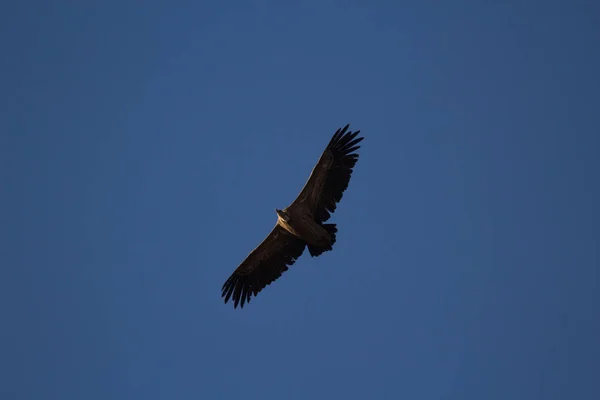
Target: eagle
301, 224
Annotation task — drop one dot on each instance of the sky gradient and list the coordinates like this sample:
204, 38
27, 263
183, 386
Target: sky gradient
143, 150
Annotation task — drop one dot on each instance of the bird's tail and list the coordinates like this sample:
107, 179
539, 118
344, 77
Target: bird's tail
317, 251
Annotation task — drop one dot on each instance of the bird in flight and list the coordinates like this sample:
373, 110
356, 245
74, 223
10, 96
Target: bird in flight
301, 224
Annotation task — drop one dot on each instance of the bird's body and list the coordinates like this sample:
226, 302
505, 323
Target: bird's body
301, 224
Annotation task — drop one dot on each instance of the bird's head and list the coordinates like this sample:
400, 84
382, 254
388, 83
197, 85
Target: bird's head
283, 215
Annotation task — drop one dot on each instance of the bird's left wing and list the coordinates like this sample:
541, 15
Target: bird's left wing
265, 264
331, 176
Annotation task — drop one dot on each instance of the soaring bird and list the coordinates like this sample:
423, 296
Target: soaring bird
301, 224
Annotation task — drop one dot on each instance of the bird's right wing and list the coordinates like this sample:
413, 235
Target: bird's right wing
265, 264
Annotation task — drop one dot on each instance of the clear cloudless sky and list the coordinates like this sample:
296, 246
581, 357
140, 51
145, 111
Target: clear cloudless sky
145, 145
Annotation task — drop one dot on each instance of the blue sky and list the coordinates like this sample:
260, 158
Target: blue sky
143, 150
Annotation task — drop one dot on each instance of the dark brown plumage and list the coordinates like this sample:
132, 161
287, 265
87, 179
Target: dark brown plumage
301, 224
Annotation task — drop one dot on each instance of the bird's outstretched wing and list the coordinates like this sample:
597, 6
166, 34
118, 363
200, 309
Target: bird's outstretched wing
330, 177
265, 264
